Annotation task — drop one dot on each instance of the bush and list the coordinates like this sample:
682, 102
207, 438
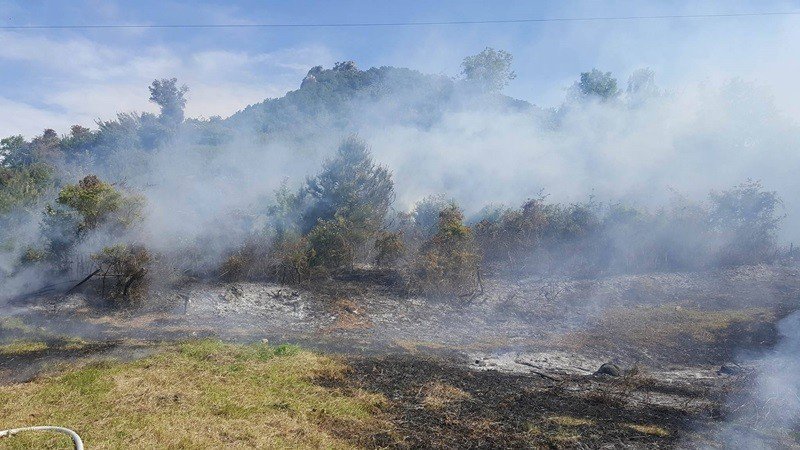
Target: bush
331, 244
292, 258
389, 248
747, 219
737, 226
447, 265
243, 264
126, 266
84, 207
426, 214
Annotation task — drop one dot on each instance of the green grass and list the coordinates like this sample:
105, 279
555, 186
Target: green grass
203, 394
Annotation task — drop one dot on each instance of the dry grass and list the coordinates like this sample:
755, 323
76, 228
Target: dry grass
652, 430
438, 395
197, 395
349, 316
670, 330
700, 325
22, 346
569, 421
13, 324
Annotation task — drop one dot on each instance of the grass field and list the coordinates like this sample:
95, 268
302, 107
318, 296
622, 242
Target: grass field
202, 394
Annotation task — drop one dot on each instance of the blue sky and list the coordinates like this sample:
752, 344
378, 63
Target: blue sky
54, 78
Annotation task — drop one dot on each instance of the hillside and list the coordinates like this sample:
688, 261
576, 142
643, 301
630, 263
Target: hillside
344, 98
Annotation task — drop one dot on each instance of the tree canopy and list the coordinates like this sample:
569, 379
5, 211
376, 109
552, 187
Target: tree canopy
490, 69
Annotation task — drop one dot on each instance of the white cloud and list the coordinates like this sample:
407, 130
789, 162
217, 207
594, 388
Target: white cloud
19, 118
78, 80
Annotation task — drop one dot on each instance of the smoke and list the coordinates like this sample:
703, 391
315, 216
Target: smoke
691, 141
212, 181
769, 411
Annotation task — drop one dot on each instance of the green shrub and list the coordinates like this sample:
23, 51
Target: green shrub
426, 214
331, 244
292, 260
447, 264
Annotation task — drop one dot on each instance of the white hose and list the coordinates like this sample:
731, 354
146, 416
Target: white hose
76, 440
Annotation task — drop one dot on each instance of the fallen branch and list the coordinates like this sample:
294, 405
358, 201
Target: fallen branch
82, 281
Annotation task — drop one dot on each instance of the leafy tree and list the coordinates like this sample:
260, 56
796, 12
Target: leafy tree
80, 140
15, 151
284, 212
21, 190
490, 69
352, 188
22, 186
344, 66
171, 98
46, 147
93, 199
86, 206
747, 217
595, 85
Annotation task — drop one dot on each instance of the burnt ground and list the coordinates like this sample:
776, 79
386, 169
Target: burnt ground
513, 368
441, 405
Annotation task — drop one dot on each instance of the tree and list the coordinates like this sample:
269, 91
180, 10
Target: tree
489, 69
46, 147
171, 98
747, 218
22, 186
93, 199
344, 66
351, 187
595, 85
15, 151
83, 207
448, 263
80, 139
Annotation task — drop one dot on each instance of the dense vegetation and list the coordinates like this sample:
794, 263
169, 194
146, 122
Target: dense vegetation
67, 208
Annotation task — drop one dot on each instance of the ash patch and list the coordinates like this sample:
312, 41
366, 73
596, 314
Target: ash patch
251, 298
554, 363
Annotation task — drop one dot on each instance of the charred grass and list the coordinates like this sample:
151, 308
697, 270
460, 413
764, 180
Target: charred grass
438, 404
